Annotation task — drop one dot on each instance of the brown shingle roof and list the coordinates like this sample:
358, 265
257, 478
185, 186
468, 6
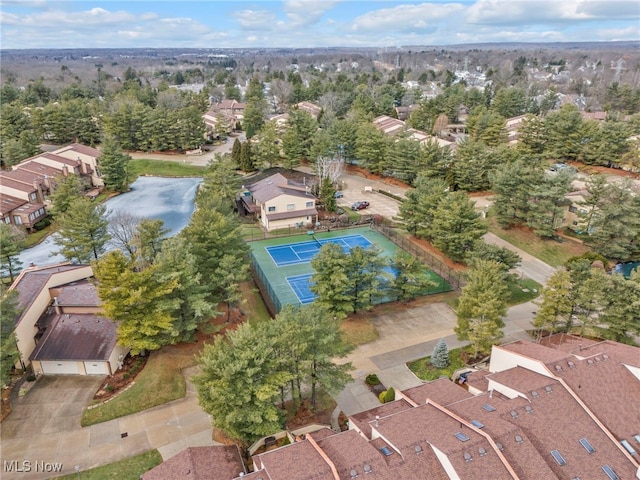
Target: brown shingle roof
9, 203
81, 293
298, 461
77, 337
200, 463
363, 420
442, 391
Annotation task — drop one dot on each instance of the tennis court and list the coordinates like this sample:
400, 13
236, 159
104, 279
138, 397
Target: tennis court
283, 265
303, 252
301, 286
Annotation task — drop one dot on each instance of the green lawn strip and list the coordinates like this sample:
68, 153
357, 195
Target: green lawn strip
161, 381
162, 168
552, 252
523, 291
425, 371
127, 469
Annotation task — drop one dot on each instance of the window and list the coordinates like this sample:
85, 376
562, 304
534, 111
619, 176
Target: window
17, 220
291, 206
7, 219
309, 205
272, 209
33, 196
573, 209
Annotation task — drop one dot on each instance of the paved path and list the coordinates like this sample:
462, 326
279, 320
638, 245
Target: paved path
44, 426
530, 267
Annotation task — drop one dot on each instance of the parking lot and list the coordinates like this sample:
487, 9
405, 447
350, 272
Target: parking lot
378, 203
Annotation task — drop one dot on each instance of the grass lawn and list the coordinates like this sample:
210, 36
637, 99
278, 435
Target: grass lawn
523, 291
160, 381
127, 469
425, 371
36, 237
254, 307
551, 252
162, 168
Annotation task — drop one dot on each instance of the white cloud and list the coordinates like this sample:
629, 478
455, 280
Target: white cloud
617, 34
405, 18
306, 12
255, 19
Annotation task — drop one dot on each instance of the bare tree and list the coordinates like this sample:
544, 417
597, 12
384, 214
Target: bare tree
329, 168
123, 228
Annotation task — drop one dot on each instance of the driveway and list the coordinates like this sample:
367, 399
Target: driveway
44, 426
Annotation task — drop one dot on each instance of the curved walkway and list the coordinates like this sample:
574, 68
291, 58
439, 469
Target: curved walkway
44, 426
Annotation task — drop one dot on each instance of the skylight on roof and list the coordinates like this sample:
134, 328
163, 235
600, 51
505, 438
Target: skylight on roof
628, 447
610, 473
587, 446
386, 451
558, 457
461, 436
637, 438
488, 407
477, 424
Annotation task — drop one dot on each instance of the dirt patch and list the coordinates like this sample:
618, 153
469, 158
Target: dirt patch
131, 366
425, 245
361, 172
304, 415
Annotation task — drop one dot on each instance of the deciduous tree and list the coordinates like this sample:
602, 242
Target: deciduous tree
11, 244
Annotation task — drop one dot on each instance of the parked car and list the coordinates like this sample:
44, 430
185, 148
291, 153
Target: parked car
338, 195
359, 205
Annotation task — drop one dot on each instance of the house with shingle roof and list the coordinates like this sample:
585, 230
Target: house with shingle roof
24, 189
60, 329
278, 202
564, 408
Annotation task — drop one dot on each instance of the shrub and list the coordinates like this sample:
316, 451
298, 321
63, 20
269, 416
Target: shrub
31, 377
44, 223
109, 388
389, 395
382, 396
372, 379
440, 355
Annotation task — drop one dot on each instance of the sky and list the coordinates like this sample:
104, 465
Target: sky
310, 23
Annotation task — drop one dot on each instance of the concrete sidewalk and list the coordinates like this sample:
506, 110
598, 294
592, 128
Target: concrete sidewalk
59, 438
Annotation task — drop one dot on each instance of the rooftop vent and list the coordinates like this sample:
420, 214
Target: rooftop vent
514, 414
548, 389
636, 438
534, 394
461, 436
353, 473
605, 356
528, 408
377, 420
418, 449
609, 472
367, 468
558, 457
558, 368
477, 424
482, 451
598, 359
467, 457
571, 364
519, 439
589, 361
499, 445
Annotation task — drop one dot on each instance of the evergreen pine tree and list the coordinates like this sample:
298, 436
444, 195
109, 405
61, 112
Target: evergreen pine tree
440, 355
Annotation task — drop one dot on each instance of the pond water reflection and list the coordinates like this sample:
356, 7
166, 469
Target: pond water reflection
168, 199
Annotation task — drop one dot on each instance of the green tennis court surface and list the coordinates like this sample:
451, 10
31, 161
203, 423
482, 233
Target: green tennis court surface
283, 264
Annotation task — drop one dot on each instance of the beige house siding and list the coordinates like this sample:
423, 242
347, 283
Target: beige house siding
26, 328
284, 204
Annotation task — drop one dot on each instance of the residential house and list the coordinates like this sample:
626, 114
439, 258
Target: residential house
564, 408
279, 202
576, 210
60, 329
513, 125
200, 463
403, 112
392, 127
25, 188
311, 108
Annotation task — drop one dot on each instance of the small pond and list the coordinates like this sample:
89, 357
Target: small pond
626, 268
168, 199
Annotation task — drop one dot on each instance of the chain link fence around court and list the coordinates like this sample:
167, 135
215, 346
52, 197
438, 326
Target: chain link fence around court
455, 279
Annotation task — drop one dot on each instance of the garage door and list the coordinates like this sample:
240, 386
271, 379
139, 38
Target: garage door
96, 368
59, 368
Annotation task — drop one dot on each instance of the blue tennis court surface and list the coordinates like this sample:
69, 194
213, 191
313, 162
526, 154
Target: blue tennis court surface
303, 252
301, 286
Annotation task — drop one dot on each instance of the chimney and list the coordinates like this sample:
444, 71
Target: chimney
65, 171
